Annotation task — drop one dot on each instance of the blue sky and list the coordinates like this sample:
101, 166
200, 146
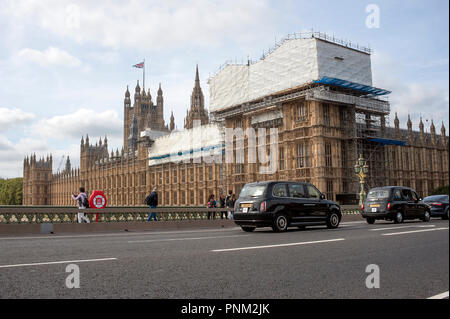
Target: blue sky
63, 61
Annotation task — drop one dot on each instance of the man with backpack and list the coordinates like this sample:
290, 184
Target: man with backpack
83, 203
152, 201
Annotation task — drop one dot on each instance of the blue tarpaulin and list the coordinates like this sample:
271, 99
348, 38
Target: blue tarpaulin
351, 85
387, 141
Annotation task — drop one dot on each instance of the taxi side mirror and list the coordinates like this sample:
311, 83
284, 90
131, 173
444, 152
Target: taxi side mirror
322, 196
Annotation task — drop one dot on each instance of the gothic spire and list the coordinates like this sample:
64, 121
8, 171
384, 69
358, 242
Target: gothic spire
160, 90
197, 78
172, 122
396, 121
138, 88
432, 128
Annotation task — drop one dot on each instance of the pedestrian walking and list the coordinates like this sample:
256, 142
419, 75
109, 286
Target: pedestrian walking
223, 205
232, 202
228, 203
83, 203
211, 204
152, 201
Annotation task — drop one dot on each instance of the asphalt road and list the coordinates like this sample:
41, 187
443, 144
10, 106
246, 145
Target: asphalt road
413, 259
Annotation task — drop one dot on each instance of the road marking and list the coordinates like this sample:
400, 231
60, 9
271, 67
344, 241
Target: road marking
177, 239
414, 231
212, 230
57, 262
399, 227
440, 296
280, 245
349, 223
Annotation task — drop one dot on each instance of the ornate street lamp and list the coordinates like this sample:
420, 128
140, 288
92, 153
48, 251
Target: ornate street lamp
361, 170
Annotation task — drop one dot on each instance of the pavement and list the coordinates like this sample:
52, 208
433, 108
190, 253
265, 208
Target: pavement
412, 258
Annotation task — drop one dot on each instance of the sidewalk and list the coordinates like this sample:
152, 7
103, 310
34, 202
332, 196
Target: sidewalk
21, 229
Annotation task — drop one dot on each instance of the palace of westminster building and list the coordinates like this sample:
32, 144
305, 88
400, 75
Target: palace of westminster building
323, 126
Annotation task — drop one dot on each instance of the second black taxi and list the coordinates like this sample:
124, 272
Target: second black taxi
395, 203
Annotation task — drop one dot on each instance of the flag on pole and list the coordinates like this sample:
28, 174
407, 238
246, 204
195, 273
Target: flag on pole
139, 65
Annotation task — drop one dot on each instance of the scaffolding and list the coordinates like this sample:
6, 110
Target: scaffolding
296, 60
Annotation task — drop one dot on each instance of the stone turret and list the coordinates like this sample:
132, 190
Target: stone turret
422, 133
37, 176
410, 132
433, 133
172, 122
397, 126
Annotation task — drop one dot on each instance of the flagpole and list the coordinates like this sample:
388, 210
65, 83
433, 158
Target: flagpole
143, 77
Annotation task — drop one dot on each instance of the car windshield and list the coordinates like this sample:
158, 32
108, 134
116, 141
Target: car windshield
436, 198
378, 194
253, 190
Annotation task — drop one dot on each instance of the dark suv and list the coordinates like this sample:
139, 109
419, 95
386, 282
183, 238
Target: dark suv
395, 203
283, 204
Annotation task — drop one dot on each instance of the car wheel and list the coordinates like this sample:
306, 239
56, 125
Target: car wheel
426, 218
280, 224
333, 220
248, 229
398, 219
370, 220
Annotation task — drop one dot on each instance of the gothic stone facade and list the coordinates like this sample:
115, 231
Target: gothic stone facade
319, 142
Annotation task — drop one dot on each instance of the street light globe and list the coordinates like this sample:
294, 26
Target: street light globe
361, 161
365, 168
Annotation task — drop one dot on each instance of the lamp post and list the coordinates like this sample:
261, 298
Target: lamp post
361, 170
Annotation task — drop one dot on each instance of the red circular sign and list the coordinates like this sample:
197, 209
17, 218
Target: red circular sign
97, 200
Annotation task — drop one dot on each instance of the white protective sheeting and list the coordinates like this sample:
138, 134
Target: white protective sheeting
265, 117
295, 62
339, 62
153, 134
205, 140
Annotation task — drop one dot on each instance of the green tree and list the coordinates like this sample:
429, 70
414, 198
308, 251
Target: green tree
11, 191
441, 190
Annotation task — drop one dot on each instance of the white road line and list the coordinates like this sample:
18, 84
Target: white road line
212, 230
440, 296
57, 262
280, 245
400, 227
349, 223
177, 239
414, 231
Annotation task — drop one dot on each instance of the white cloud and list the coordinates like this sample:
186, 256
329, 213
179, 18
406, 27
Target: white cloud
148, 24
12, 154
13, 117
51, 56
80, 123
429, 100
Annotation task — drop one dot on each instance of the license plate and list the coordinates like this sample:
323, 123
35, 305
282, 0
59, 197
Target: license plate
245, 209
374, 210
246, 205
375, 205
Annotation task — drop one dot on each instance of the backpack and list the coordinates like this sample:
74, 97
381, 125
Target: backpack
85, 201
147, 200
